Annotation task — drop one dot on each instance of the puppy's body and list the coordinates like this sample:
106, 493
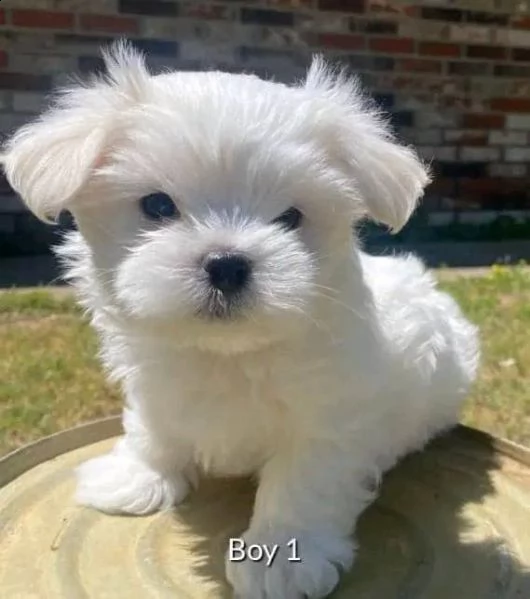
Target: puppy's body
324, 368
236, 410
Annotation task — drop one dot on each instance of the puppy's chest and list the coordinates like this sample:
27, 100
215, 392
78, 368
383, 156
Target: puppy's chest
233, 415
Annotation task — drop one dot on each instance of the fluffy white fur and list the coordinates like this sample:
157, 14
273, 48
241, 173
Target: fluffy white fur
336, 364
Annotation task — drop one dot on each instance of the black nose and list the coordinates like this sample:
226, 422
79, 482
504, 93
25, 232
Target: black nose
228, 272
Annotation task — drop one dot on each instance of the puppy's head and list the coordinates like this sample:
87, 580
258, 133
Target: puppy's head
212, 206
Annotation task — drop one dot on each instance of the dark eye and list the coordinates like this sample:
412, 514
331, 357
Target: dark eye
158, 206
290, 220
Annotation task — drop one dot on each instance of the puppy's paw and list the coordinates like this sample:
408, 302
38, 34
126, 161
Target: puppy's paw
306, 567
116, 483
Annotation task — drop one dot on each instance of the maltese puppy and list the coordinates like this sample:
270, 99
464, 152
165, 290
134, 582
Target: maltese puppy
250, 333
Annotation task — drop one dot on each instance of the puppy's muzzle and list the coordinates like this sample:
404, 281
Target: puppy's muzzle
228, 272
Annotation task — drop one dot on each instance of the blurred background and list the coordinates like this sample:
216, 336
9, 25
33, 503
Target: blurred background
453, 74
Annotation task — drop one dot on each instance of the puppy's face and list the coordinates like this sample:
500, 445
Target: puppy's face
218, 226
215, 207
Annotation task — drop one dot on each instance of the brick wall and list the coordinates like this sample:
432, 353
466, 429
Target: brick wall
455, 74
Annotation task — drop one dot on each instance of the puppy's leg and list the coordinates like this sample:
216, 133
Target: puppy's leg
306, 505
140, 475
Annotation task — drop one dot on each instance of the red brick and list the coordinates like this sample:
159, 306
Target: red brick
3, 59
393, 7
109, 23
341, 41
520, 22
481, 186
494, 52
510, 104
399, 81
342, 5
483, 121
439, 49
200, 10
457, 102
2, 17
42, 19
442, 186
471, 69
488, 185
522, 54
391, 45
467, 138
420, 66
291, 3
512, 70
410, 10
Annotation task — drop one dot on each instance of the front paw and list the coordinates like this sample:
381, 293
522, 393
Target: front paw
287, 566
121, 484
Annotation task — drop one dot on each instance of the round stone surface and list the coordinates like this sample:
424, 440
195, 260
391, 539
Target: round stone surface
452, 522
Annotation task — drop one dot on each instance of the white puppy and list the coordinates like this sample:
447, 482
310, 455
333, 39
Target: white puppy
250, 334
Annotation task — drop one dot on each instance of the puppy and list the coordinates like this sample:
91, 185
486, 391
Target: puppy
250, 333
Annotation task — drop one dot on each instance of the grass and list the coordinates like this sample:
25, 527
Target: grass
499, 303
50, 377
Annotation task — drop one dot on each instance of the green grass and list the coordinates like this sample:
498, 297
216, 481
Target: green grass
50, 377
500, 304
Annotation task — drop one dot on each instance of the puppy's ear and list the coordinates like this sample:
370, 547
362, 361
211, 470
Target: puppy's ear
388, 177
48, 162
